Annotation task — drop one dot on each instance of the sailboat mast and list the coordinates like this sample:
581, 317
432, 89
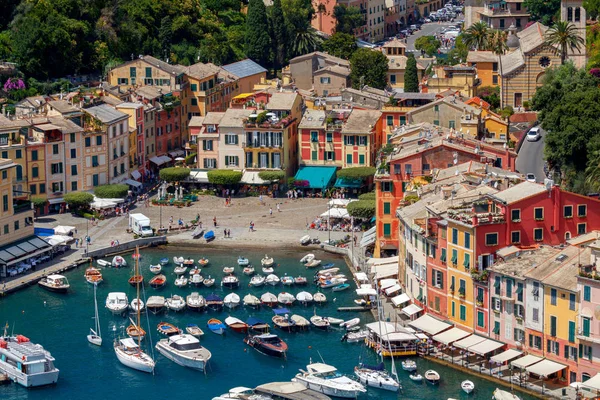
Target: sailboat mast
96, 311
137, 259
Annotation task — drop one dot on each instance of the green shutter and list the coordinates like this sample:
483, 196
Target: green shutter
571, 332
553, 326
361, 159
386, 207
467, 262
480, 320
453, 308
463, 313
387, 229
587, 293
586, 327
443, 256
497, 328
348, 158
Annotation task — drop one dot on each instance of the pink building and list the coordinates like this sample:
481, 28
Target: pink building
208, 141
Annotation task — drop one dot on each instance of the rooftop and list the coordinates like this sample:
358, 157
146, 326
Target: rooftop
482, 56
202, 70
129, 105
519, 192
62, 106
234, 117
213, 118
559, 269
196, 121
319, 54
361, 121
282, 101
517, 264
105, 113
171, 69
152, 92
336, 69
244, 68
399, 62
313, 119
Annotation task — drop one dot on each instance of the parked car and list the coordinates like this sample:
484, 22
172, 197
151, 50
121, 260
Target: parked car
530, 177
414, 28
534, 134
427, 20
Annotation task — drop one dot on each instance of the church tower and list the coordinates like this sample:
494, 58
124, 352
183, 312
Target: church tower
573, 12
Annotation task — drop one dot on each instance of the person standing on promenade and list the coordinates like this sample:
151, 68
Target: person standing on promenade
215, 221
271, 211
278, 207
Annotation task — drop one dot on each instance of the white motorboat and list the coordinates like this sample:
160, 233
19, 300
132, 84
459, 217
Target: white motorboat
156, 269
117, 302
131, 355
326, 379
467, 386
180, 269
208, 282
272, 280
135, 304
241, 392
155, 304
194, 271
118, 262
409, 365
257, 280
266, 261
236, 324
335, 321
328, 272
268, 270
307, 258
376, 377
243, 261
181, 281
230, 281
332, 282
164, 261
184, 350
196, 279
304, 297
305, 240
249, 270
350, 323
95, 336
269, 299
319, 298
55, 283
286, 298
175, 303
232, 300
228, 270
104, 263
26, 363
300, 323
313, 263
500, 394
320, 322
432, 377
355, 337
251, 301
178, 260
195, 301
287, 280
416, 377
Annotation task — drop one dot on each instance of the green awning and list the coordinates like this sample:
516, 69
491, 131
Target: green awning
497, 329
443, 257
466, 263
497, 283
348, 183
454, 259
317, 177
519, 289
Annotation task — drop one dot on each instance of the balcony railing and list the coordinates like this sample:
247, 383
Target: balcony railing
21, 207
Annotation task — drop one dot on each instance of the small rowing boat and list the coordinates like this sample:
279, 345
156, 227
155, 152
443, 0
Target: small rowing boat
216, 326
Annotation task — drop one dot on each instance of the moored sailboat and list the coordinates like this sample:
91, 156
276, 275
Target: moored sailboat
95, 336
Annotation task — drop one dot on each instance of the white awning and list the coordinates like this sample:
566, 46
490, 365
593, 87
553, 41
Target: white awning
157, 160
100, 204
421, 336
592, 383
340, 202
393, 289
336, 213
485, 347
386, 283
56, 201
429, 325
361, 277
133, 183
136, 174
545, 368
450, 336
506, 356
252, 178
398, 337
199, 176
469, 341
366, 292
411, 310
368, 237
56, 240
177, 153
385, 271
63, 230
400, 299
526, 361
379, 261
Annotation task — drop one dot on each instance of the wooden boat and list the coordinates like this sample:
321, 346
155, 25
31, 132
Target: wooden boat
251, 300
216, 326
135, 280
248, 270
416, 377
155, 269
104, 263
228, 270
269, 299
164, 261
236, 324
305, 240
313, 263
194, 330
282, 321
307, 258
500, 394
467, 386
319, 298
286, 299
93, 275
55, 283
210, 235
158, 281
135, 331
268, 344
432, 377
341, 287
181, 281
320, 322
258, 326
257, 280
242, 261
203, 262
167, 329
208, 282
409, 365
214, 302
300, 322
266, 261
195, 301
267, 270
232, 300
300, 280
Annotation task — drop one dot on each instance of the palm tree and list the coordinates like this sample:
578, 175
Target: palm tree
563, 36
477, 36
497, 44
305, 41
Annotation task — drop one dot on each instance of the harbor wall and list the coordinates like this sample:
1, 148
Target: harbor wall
125, 247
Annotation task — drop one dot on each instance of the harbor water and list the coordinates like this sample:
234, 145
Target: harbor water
60, 322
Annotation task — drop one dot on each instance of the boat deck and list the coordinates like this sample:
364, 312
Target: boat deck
290, 391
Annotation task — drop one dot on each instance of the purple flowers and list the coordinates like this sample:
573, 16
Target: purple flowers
595, 72
14, 84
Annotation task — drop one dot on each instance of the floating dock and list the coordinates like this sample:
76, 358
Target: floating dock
290, 391
354, 309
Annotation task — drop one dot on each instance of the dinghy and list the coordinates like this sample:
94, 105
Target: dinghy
180, 269
432, 377
287, 280
272, 280
409, 365
300, 280
267, 270
257, 280
203, 262
313, 263
216, 326
228, 270
181, 281
285, 298
208, 282
243, 261
118, 262
266, 261
104, 263
304, 297
307, 258
248, 270
319, 298
335, 321
164, 261
416, 377
350, 323
178, 260
467, 386
210, 235
305, 240
500, 394
340, 287
232, 300
194, 330
135, 304
355, 337
320, 322
236, 324
155, 269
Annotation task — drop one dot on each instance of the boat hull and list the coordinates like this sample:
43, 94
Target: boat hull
370, 380
131, 362
183, 361
34, 380
329, 391
266, 350
55, 289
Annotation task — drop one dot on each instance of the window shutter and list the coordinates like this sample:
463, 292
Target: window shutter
515, 309
548, 347
580, 350
557, 350
590, 356
566, 350
236, 138
530, 340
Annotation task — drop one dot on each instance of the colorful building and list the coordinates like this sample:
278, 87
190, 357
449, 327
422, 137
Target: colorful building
207, 140
494, 127
137, 154
588, 328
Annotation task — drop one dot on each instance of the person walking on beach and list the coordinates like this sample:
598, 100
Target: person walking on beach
278, 207
229, 233
271, 211
215, 221
224, 232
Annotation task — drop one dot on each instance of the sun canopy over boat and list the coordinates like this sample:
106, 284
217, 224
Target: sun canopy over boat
254, 321
281, 311
429, 325
213, 297
128, 342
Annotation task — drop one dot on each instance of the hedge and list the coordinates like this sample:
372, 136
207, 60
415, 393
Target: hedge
78, 199
272, 176
190, 160
361, 209
174, 174
367, 196
356, 173
115, 191
39, 201
224, 177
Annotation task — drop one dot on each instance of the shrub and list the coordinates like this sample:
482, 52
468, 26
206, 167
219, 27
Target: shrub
116, 191
262, 117
38, 202
356, 173
189, 160
273, 176
174, 174
362, 209
224, 177
367, 196
78, 199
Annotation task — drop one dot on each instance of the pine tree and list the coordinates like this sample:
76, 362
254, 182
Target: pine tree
280, 37
411, 79
165, 33
258, 42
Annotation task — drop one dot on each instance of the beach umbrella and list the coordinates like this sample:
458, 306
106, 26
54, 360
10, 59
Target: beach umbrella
180, 159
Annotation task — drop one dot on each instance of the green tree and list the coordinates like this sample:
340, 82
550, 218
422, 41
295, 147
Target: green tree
361, 209
367, 196
165, 34
341, 45
302, 37
592, 7
224, 176
354, 173
271, 176
477, 36
258, 42
491, 94
428, 44
458, 54
174, 174
371, 65
347, 19
280, 39
411, 78
563, 36
77, 200
114, 191
543, 11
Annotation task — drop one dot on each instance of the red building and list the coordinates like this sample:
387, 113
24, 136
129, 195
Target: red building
168, 124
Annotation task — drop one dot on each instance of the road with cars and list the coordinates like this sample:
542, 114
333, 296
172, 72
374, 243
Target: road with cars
428, 29
531, 158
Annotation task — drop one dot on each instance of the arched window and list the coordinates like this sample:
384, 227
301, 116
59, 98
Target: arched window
577, 14
585, 376
570, 14
567, 235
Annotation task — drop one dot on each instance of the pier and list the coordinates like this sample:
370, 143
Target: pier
290, 391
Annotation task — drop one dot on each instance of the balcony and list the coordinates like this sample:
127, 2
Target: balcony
21, 206
256, 145
268, 121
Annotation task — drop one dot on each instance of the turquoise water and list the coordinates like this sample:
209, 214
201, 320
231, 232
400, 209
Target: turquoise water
61, 322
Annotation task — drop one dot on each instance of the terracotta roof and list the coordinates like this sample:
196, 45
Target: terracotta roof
523, 117
361, 121
336, 69
478, 101
201, 70
399, 62
320, 54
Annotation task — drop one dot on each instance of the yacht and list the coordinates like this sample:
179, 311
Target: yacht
326, 379
184, 350
117, 302
175, 303
129, 354
55, 283
155, 304
26, 363
376, 376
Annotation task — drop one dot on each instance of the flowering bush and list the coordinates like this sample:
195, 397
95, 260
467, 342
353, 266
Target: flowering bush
14, 84
595, 72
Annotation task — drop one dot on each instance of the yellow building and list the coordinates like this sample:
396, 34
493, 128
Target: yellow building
486, 63
494, 127
135, 112
208, 88
16, 217
460, 256
13, 134
455, 78
146, 71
